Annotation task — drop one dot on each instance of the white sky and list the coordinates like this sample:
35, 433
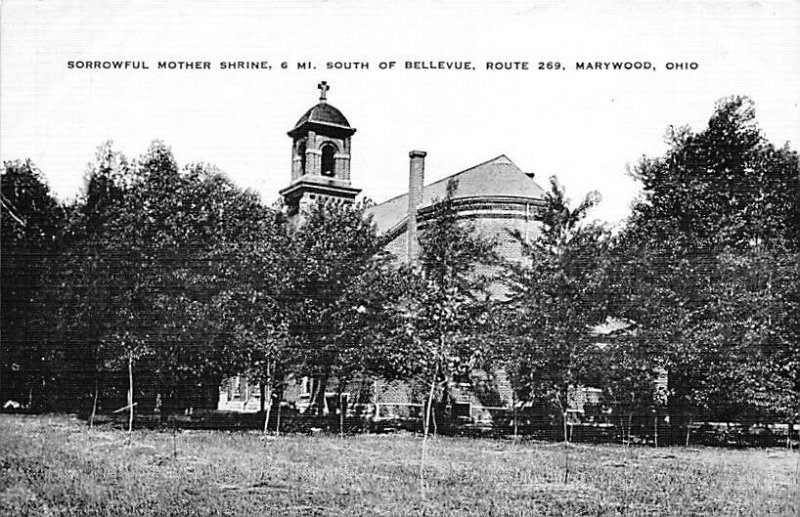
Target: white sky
583, 126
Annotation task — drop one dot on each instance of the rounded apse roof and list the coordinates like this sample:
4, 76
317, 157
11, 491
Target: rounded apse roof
323, 113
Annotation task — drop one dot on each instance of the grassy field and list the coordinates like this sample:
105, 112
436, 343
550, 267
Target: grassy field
53, 465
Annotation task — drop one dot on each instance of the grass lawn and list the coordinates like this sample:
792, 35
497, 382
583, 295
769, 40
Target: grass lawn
53, 465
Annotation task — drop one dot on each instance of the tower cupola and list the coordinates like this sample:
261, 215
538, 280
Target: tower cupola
320, 156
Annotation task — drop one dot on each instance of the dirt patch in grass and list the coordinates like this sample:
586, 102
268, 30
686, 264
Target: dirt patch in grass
56, 466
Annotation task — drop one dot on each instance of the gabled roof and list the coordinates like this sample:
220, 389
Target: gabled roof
496, 178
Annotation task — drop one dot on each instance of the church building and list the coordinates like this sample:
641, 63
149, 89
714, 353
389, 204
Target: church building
496, 196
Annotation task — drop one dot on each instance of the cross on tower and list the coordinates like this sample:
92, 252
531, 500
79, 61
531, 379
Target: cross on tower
323, 88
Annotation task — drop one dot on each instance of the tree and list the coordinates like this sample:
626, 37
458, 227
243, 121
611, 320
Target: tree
327, 254
249, 304
220, 277
752, 315
138, 239
454, 300
631, 378
725, 186
555, 302
556, 299
176, 270
32, 230
438, 309
719, 199
86, 277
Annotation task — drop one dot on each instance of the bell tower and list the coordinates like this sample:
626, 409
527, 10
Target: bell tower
320, 157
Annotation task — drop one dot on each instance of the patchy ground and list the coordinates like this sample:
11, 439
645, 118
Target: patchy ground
53, 465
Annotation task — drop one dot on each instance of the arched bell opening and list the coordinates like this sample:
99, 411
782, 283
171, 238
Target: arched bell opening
328, 166
301, 152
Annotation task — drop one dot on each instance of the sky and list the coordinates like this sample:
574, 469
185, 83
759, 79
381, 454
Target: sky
587, 127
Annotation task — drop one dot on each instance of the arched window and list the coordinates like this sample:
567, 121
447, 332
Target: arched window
328, 163
301, 152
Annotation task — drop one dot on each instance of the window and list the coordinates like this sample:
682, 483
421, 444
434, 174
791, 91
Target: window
461, 409
301, 152
328, 162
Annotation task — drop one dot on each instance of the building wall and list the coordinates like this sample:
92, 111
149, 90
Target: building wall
502, 231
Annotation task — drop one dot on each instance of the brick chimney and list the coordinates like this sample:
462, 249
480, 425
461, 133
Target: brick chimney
416, 181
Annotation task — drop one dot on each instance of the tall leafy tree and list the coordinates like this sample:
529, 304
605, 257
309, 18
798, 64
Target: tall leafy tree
86, 276
138, 240
330, 249
751, 322
439, 308
724, 186
248, 312
557, 298
719, 198
176, 270
219, 279
32, 230
453, 294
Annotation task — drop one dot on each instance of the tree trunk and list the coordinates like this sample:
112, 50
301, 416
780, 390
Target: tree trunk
630, 425
655, 428
688, 430
566, 447
514, 409
263, 396
278, 423
341, 415
130, 397
268, 396
426, 425
564, 408
312, 402
94, 403
319, 402
174, 441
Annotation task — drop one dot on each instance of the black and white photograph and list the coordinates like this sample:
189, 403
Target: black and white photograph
425, 258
